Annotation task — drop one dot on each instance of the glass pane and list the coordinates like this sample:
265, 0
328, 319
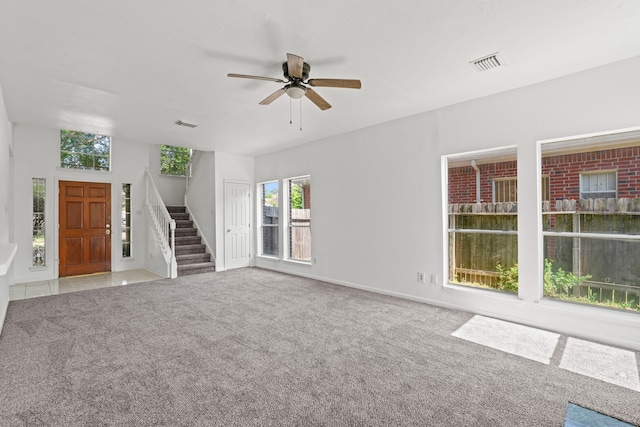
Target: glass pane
83, 150
486, 256
300, 219
270, 218
600, 272
174, 160
126, 220
38, 222
270, 241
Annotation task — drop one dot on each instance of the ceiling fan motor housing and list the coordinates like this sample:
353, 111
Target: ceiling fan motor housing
306, 68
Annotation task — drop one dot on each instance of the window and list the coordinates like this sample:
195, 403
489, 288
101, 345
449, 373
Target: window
598, 185
269, 214
37, 218
126, 220
591, 230
82, 150
505, 189
483, 240
299, 206
174, 160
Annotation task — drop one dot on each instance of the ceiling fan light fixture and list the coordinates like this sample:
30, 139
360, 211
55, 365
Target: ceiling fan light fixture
295, 91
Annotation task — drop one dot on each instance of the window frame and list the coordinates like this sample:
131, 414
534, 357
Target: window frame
77, 151
38, 232
606, 172
261, 191
126, 226
451, 228
612, 140
176, 150
289, 236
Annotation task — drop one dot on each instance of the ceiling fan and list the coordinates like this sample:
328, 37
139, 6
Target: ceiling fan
297, 82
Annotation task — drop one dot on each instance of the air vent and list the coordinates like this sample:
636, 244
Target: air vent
487, 62
189, 125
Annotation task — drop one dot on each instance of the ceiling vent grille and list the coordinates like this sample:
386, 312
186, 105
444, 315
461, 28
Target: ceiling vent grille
487, 62
189, 125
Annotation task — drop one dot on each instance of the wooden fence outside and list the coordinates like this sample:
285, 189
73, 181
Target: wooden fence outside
299, 238
612, 264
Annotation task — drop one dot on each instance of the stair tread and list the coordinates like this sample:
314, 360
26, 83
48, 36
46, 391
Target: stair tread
196, 265
189, 256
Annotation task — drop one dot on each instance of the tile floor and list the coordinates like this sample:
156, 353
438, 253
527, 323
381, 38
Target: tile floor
78, 283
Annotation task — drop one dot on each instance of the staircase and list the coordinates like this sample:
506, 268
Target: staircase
191, 254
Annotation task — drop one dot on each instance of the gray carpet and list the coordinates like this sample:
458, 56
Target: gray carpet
253, 347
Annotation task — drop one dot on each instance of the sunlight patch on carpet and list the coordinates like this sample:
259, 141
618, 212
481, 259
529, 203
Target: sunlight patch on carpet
524, 341
602, 362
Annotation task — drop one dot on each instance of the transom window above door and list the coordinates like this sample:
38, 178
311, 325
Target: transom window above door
83, 150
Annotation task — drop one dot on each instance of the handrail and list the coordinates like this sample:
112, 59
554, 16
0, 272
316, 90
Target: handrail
163, 225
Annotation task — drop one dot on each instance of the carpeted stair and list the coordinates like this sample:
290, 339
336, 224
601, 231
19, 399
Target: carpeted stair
191, 253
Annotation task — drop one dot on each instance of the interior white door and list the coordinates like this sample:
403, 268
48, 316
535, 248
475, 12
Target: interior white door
237, 224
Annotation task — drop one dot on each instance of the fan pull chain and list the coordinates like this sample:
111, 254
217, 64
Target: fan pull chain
300, 115
290, 112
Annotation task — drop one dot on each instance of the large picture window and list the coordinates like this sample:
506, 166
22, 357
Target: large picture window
482, 216
299, 216
268, 244
82, 150
591, 225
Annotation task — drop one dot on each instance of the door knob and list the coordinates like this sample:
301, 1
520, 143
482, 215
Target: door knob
228, 230
107, 231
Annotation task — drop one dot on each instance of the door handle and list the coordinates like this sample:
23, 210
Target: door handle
107, 231
228, 230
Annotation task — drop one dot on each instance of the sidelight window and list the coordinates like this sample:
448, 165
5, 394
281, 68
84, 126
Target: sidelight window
38, 241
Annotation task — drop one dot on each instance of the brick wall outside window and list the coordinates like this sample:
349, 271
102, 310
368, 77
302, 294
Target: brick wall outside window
563, 171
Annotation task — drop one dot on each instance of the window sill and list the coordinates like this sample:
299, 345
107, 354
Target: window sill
295, 261
172, 176
481, 291
268, 257
39, 268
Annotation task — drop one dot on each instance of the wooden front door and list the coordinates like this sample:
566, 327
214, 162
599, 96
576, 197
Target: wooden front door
85, 228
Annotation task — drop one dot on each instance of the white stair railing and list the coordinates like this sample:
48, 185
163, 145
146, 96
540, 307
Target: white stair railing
164, 226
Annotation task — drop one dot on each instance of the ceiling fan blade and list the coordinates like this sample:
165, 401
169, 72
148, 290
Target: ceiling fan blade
317, 99
244, 76
294, 65
345, 83
275, 95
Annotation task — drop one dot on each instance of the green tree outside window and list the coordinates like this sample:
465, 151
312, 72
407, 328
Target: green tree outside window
174, 160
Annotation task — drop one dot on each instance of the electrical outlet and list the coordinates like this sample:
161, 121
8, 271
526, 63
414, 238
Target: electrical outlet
420, 277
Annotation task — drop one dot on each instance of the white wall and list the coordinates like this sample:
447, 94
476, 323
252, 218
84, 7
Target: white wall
228, 167
171, 188
5, 202
377, 204
200, 197
37, 155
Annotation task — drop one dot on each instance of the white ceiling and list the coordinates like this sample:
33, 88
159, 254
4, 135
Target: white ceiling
132, 68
